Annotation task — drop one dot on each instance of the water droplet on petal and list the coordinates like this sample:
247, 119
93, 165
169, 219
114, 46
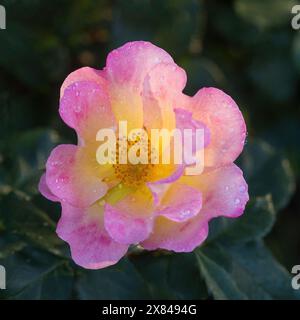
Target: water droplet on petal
237, 201
242, 188
77, 108
185, 213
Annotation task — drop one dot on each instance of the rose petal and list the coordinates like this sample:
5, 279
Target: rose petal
226, 125
224, 193
85, 107
224, 190
184, 120
166, 173
180, 202
91, 246
70, 175
45, 191
176, 236
126, 69
84, 74
162, 87
129, 64
130, 220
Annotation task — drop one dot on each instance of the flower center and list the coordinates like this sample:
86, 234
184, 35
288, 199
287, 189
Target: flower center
133, 174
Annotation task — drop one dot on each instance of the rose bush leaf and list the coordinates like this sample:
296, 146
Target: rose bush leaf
244, 272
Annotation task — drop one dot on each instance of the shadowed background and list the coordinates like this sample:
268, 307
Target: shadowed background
246, 48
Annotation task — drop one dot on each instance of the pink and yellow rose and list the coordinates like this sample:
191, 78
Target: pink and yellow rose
107, 208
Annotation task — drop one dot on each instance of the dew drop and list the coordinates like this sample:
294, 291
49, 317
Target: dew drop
242, 188
77, 109
185, 213
237, 201
55, 163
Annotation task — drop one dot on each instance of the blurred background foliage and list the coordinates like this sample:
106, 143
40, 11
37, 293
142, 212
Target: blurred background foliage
248, 49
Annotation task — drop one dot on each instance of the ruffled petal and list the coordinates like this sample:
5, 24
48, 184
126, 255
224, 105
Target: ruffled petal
176, 236
129, 64
164, 173
85, 107
226, 125
162, 87
224, 190
45, 191
179, 202
185, 121
224, 193
84, 74
126, 69
130, 220
91, 246
71, 176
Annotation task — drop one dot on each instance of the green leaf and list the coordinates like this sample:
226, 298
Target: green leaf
21, 217
10, 244
215, 266
35, 274
255, 223
154, 269
267, 171
170, 276
121, 281
244, 272
184, 278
